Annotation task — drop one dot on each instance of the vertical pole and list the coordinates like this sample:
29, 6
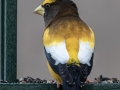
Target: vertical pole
1, 41
8, 38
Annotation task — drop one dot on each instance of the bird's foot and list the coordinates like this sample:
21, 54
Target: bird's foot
58, 85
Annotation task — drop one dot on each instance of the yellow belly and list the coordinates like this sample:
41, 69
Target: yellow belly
55, 76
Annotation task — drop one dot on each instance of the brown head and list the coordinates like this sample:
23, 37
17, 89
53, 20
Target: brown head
54, 9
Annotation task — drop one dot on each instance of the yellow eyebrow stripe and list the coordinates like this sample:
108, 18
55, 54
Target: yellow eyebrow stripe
48, 1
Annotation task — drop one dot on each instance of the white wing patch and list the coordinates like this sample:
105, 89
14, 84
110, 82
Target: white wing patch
85, 53
58, 52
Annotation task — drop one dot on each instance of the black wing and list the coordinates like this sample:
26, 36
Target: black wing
85, 71
60, 69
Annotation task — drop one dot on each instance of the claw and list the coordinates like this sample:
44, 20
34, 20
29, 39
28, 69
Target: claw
58, 85
87, 81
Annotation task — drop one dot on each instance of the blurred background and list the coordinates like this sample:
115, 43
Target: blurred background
103, 16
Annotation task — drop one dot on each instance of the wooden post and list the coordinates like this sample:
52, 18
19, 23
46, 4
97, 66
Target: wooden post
8, 40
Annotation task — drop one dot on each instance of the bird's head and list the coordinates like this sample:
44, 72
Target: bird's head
52, 9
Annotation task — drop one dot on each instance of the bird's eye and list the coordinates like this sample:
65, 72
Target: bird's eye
47, 6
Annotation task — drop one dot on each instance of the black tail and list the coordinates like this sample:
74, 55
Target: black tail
79, 75
75, 75
66, 86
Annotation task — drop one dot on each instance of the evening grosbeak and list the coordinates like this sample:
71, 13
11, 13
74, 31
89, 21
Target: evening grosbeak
68, 43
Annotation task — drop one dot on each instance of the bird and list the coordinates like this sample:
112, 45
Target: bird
68, 43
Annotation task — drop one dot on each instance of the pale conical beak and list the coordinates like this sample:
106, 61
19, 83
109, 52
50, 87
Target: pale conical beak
39, 10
